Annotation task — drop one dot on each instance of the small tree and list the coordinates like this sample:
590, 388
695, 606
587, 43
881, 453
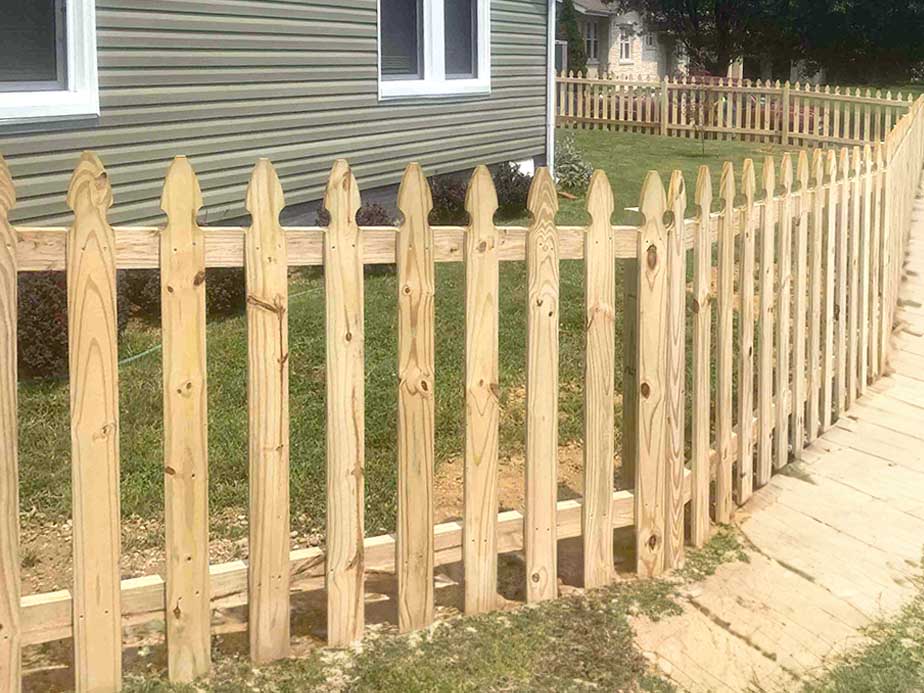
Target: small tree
568, 31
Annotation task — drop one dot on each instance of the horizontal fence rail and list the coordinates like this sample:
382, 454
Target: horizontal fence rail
793, 115
817, 246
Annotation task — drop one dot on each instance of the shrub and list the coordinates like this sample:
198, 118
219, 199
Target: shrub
448, 200
571, 170
510, 183
42, 327
372, 214
512, 187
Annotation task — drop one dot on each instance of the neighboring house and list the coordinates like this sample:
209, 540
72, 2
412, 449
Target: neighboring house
448, 83
620, 43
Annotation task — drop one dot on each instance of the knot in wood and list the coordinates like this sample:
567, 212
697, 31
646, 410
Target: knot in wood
651, 257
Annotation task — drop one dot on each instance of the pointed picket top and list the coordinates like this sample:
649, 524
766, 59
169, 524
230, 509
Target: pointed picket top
786, 173
481, 201
415, 201
846, 91
856, 162
600, 200
802, 171
677, 195
181, 197
798, 86
889, 94
748, 181
264, 193
868, 158
653, 201
844, 162
837, 90
768, 177
869, 92
727, 186
7, 190
90, 178
900, 97
910, 98
831, 166
818, 167
827, 89
817, 88
341, 199
542, 201
879, 93
759, 83
703, 195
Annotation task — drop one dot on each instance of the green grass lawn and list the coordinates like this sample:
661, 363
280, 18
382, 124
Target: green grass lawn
44, 430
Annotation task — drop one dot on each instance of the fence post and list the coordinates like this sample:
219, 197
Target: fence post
784, 116
664, 106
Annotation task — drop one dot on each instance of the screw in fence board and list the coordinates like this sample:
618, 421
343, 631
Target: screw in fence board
599, 383
701, 399
266, 270
10, 581
343, 286
768, 329
865, 301
482, 409
784, 116
853, 252
744, 479
674, 502
783, 331
182, 276
542, 317
724, 344
94, 395
841, 277
830, 271
652, 373
416, 403
799, 285
816, 296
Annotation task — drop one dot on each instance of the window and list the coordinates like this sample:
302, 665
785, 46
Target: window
649, 40
590, 41
47, 59
434, 47
625, 46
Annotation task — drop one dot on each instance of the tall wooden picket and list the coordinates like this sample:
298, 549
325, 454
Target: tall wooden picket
343, 286
416, 402
599, 383
744, 480
674, 503
94, 394
724, 346
885, 254
816, 294
10, 582
267, 272
784, 378
186, 476
765, 418
652, 379
482, 409
702, 323
800, 284
853, 273
842, 248
542, 315
830, 272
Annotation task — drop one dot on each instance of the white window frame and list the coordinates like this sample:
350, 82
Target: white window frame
625, 42
434, 82
81, 98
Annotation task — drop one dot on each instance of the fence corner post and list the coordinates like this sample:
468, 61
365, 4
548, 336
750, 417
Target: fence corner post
664, 107
784, 116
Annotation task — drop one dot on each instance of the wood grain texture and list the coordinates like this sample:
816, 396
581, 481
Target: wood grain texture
653, 332
182, 297
94, 394
800, 299
702, 372
766, 424
676, 373
829, 344
724, 344
10, 580
482, 409
542, 317
842, 282
744, 478
816, 298
784, 255
853, 276
599, 384
268, 416
343, 285
416, 404
875, 311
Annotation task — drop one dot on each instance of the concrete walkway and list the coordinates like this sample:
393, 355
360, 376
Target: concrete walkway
834, 544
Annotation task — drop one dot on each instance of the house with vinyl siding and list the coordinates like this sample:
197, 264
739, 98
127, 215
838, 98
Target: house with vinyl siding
448, 83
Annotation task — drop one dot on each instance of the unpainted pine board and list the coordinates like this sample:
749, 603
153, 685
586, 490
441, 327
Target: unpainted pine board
482, 410
266, 269
182, 275
829, 345
864, 299
744, 478
10, 580
784, 378
768, 326
886, 444
416, 403
542, 317
875, 310
343, 286
94, 395
816, 298
800, 299
853, 278
652, 380
842, 280
599, 384
724, 345
702, 398
674, 535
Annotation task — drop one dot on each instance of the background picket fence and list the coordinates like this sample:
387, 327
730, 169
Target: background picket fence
798, 115
819, 245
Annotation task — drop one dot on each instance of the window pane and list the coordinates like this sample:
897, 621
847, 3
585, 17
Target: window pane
461, 38
401, 42
30, 51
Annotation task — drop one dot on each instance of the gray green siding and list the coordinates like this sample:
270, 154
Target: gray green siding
227, 81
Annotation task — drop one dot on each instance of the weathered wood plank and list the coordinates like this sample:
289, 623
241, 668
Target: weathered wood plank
800, 283
816, 298
765, 374
830, 271
784, 378
875, 311
744, 479
343, 286
268, 416
842, 281
10, 580
482, 409
653, 334
186, 476
416, 403
724, 346
853, 278
599, 384
94, 394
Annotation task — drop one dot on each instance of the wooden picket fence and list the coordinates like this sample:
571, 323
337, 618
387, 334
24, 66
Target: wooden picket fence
798, 115
819, 248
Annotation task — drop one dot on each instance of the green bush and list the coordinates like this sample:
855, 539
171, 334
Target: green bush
225, 291
448, 191
572, 172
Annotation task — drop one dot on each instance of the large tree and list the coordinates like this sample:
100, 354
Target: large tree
568, 31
